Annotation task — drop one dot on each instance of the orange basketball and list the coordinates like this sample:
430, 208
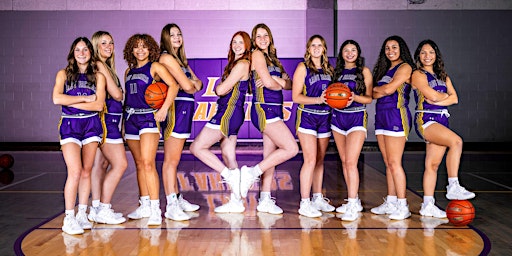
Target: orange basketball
6, 161
337, 95
155, 94
460, 212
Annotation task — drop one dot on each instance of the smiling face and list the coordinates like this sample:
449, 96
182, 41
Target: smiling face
316, 49
105, 47
176, 37
238, 46
427, 56
262, 39
82, 53
141, 51
392, 50
349, 53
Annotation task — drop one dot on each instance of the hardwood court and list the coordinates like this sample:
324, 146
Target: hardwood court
253, 233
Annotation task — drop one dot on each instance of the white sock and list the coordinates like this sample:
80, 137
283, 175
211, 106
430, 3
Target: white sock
95, 203
427, 199
104, 206
257, 170
391, 199
155, 203
171, 198
264, 195
82, 207
144, 200
352, 200
402, 201
317, 195
70, 213
304, 200
453, 180
225, 172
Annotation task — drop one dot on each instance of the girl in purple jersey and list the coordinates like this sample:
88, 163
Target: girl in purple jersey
434, 92
80, 89
225, 124
391, 88
142, 123
268, 81
310, 80
349, 124
111, 151
179, 119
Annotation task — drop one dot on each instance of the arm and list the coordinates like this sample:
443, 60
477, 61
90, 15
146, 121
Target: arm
420, 82
60, 98
260, 66
402, 75
452, 98
112, 88
160, 71
100, 95
198, 84
239, 72
298, 85
368, 81
175, 69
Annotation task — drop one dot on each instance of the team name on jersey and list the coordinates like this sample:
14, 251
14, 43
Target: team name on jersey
386, 79
317, 77
274, 69
347, 77
80, 84
138, 76
434, 83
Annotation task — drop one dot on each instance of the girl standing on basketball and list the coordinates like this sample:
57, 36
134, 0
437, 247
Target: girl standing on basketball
310, 80
142, 129
391, 88
111, 152
349, 124
181, 112
80, 89
268, 80
225, 124
434, 92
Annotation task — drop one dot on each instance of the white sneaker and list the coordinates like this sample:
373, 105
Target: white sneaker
173, 211
94, 210
401, 213
108, 216
351, 213
429, 209
384, 208
155, 218
322, 204
186, 205
143, 211
233, 180
267, 220
81, 218
268, 204
71, 226
458, 192
343, 207
307, 209
233, 206
247, 179
235, 220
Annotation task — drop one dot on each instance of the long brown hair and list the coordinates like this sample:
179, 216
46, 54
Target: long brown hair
270, 58
324, 60
166, 45
231, 55
72, 70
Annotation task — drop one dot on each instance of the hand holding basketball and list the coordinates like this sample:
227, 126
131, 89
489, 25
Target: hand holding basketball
155, 94
337, 95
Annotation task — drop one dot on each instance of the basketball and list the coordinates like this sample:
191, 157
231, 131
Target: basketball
155, 94
460, 212
337, 95
6, 161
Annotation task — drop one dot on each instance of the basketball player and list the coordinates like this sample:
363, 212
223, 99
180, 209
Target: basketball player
310, 80
391, 88
181, 112
80, 89
434, 92
349, 124
142, 129
225, 124
268, 80
111, 152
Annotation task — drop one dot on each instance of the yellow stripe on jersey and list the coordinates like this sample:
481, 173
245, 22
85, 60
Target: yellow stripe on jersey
297, 121
171, 121
224, 123
405, 120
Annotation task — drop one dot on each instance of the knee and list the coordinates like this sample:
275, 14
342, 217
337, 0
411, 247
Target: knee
433, 166
457, 143
194, 148
293, 150
147, 165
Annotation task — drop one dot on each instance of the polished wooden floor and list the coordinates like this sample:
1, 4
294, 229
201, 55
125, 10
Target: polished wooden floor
36, 192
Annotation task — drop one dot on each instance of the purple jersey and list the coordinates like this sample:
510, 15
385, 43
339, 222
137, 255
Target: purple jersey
113, 106
348, 77
81, 87
182, 94
400, 97
263, 94
437, 85
314, 85
235, 98
137, 81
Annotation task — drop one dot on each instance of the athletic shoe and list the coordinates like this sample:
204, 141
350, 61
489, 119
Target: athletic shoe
155, 218
429, 224
108, 216
401, 213
247, 179
71, 226
343, 207
233, 180
267, 220
322, 204
232, 206
94, 210
429, 209
307, 209
268, 205
235, 220
143, 211
309, 223
384, 208
81, 218
351, 213
173, 211
186, 205
457, 192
